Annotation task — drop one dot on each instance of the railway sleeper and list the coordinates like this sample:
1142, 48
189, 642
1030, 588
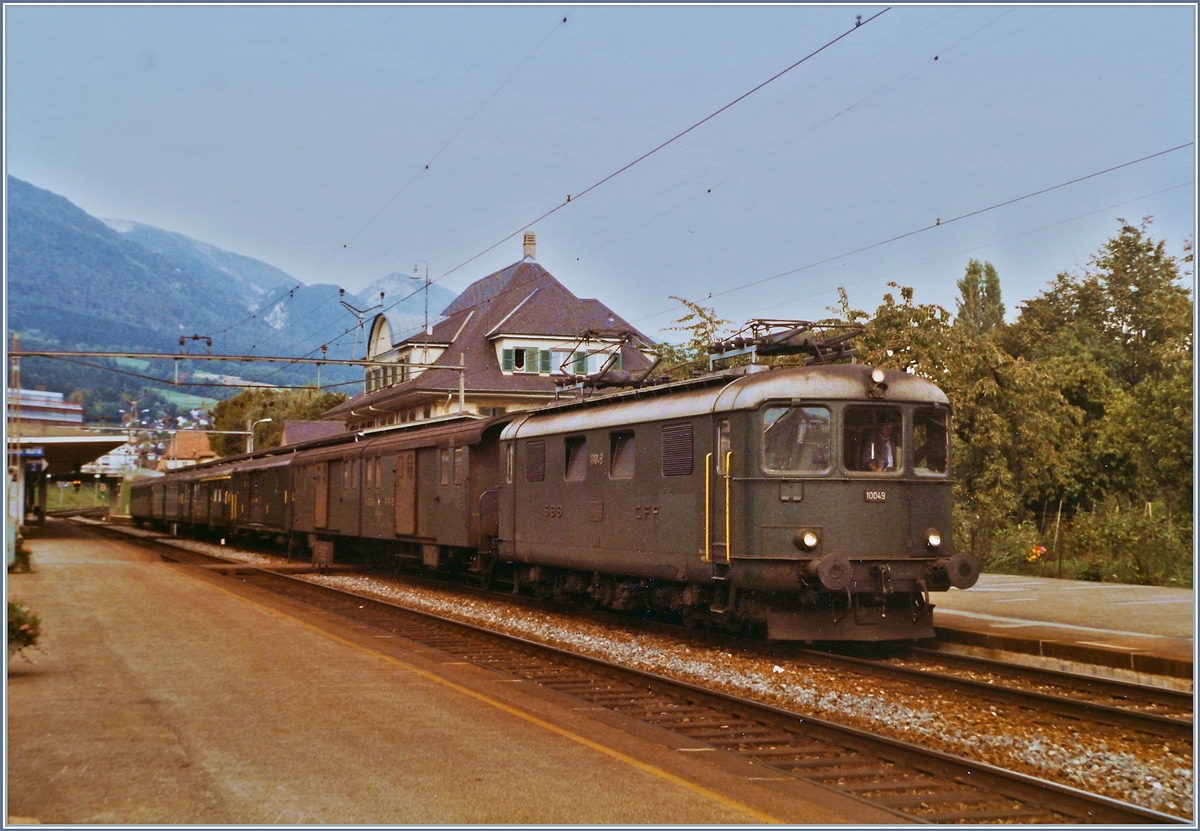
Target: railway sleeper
929, 799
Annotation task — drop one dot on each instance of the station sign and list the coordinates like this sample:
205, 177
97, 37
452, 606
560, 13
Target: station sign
32, 452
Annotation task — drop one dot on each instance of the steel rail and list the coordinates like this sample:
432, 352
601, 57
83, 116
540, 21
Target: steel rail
907, 779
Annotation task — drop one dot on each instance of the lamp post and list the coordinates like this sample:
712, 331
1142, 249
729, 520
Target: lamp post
250, 429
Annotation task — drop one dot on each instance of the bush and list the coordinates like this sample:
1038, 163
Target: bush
1112, 543
22, 557
1125, 544
24, 627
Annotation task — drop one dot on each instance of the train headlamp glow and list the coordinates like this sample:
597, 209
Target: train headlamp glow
809, 539
933, 539
877, 388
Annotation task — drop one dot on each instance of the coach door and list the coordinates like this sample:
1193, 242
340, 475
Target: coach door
406, 493
718, 485
321, 495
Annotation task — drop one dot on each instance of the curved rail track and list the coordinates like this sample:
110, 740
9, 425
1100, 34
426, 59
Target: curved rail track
913, 782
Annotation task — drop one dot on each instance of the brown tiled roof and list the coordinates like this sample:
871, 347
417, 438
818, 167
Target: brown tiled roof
295, 432
522, 299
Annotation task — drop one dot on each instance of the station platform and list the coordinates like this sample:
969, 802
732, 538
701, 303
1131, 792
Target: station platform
164, 694
1142, 633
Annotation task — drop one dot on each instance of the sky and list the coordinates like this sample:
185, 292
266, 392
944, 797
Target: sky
343, 143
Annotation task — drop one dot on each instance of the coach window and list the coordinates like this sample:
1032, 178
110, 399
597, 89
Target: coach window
444, 459
931, 445
621, 455
509, 454
873, 439
796, 439
576, 459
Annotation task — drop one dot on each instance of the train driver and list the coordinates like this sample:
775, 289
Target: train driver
880, 452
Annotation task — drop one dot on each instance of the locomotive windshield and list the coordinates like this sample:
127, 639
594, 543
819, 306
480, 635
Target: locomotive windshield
931, 434
796, 439
874, 438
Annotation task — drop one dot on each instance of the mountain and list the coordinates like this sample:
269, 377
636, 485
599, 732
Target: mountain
78, 283
404, 299
72, 280
244, 277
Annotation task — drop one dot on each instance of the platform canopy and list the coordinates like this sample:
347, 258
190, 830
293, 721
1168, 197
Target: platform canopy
64, 454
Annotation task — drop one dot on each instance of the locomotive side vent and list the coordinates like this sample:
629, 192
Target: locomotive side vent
535, 461
677, 450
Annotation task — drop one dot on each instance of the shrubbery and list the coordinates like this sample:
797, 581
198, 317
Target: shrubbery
24, 627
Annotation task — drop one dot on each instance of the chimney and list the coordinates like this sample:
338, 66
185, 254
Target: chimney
531, 245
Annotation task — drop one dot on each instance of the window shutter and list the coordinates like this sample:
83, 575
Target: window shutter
544, 360
580, 366
506, 361
617, 362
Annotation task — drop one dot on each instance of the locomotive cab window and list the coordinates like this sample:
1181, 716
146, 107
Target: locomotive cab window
621, 455
576, 458
444, 465
796, 439
931, 441
873, 439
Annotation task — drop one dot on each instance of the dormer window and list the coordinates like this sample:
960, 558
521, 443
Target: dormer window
527, 360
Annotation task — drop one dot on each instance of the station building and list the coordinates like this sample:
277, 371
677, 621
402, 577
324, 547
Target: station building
500, 346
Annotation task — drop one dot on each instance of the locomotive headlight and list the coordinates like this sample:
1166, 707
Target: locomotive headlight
877, 388
806, 540
932, 538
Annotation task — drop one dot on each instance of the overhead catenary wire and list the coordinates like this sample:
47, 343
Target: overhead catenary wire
877, 277
936, 224
666, 143
626, 167
424, 168
939, 223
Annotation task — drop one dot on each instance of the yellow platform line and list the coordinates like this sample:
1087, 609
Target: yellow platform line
500, 705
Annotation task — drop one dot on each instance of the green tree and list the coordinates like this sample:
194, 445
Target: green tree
1117, 340
980, 310
279, 405
704, 326
1012, 428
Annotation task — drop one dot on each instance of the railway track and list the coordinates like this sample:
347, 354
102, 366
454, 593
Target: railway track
911, 781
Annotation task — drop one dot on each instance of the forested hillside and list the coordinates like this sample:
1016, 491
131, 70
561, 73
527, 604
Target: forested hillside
76, 283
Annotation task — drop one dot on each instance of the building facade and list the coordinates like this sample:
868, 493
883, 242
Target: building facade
510, 341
